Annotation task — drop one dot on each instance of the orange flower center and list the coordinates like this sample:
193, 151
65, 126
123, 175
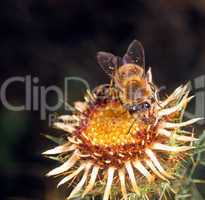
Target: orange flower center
112, 124
111, 135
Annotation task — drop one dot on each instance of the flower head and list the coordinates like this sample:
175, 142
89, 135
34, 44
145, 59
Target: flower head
114, 152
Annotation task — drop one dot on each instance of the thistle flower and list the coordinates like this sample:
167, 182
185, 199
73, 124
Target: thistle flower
113, 153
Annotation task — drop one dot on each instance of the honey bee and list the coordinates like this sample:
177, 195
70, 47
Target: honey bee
134, 85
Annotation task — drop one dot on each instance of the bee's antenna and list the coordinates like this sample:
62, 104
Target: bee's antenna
131, 126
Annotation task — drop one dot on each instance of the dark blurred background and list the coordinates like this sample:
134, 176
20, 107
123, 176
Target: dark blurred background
54, 39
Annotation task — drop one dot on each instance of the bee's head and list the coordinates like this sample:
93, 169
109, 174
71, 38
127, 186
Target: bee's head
135, 108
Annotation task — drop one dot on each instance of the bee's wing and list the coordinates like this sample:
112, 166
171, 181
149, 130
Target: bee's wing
108, 62
135, 54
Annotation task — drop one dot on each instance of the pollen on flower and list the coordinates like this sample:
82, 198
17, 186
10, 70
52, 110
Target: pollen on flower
109, 125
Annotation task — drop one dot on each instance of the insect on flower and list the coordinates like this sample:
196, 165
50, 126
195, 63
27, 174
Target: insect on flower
135, 88
99, 152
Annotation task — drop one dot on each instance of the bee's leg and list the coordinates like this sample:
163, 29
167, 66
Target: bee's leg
156, 121
114, 91
100, 91
146, 116
156, 93
157, 101
111, 87
156, 98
